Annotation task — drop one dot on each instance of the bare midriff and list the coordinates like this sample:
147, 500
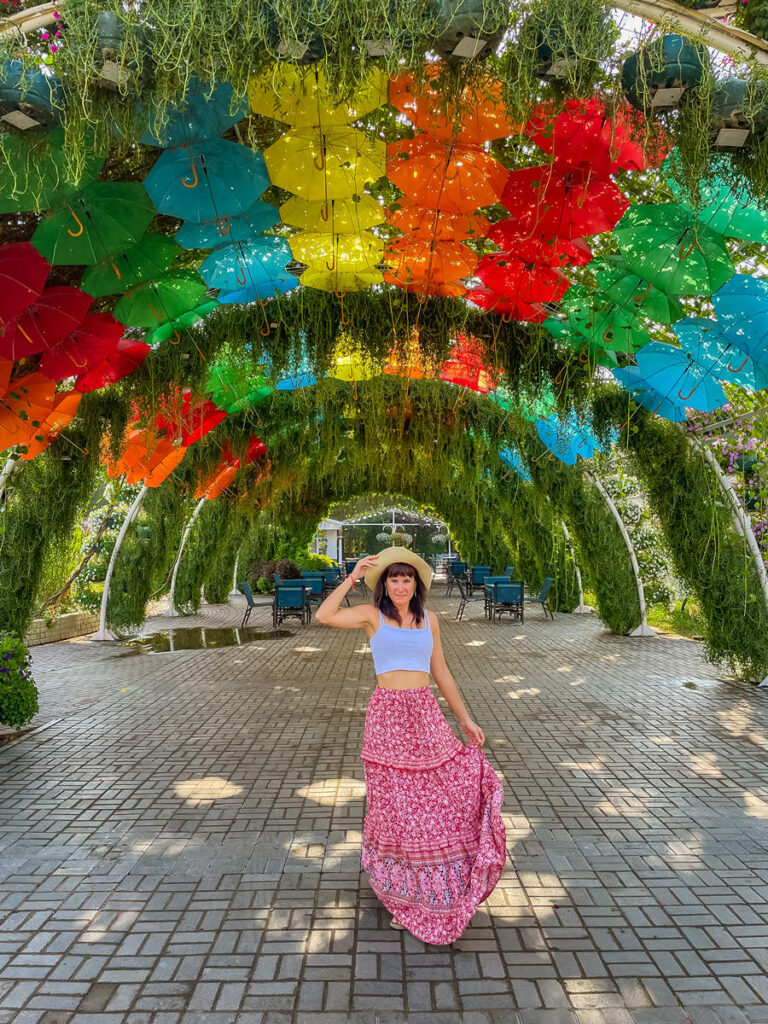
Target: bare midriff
403, 680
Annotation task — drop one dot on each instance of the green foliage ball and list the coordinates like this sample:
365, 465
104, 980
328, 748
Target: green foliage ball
18, 693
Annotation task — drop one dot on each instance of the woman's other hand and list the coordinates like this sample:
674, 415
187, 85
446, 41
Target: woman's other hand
474, 732
363, 565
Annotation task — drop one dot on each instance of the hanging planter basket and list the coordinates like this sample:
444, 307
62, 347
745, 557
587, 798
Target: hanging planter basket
29, 100
656, 77
735, 125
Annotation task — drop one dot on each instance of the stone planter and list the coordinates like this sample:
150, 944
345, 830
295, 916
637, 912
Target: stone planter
62, 628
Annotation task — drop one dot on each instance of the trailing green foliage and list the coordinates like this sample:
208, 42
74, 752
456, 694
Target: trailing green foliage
18, 693
204, 540
708, 555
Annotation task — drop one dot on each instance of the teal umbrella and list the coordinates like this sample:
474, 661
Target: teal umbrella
208, 181
106, 218
214, 234
205, 113
668, 247
151, 256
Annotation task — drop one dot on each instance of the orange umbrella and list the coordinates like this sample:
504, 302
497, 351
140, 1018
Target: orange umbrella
61, 415
24, 405
479, 114
135, 448
421, 222
213, 488
412, 366
164, 460
465, 367
445, 175
415, 260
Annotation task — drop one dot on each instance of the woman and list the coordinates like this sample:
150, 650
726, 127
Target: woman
434, 844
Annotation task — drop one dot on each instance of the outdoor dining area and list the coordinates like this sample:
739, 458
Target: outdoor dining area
292, 598
500, 595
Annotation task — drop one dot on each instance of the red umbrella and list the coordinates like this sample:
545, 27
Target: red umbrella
84, 348
23, 273
257, 449
127, 356
465, 367
190, 419
508, 309
50, 318
513, 279
585, 135
556, 252
555, 203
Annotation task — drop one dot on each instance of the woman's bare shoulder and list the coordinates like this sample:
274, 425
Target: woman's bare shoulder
433, 620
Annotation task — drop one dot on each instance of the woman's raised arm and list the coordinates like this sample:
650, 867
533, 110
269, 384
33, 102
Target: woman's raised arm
330, 612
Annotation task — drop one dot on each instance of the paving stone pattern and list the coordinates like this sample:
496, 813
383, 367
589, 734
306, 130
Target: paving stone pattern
180, 843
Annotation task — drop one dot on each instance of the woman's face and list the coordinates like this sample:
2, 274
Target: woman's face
400, 588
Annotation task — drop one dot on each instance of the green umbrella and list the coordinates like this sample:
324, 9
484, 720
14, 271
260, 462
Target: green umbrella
589, 351
104, 219
150, 257
634, 294
726, 205
34, 179
665, 245
234, 387
526, 402
170, 328
161, 301
603, 323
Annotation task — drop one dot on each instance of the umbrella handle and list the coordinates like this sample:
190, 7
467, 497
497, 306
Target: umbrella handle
583, 356
325, 211
75, 234
222, 232
177, 336
80, 366
507, 318
688, 252
320, 166
263, 303
21, 330
152, 311
118, 275
733, 370
237, 276
332, 264
264, 332
685, 397
608, 335
184, 181
639, 298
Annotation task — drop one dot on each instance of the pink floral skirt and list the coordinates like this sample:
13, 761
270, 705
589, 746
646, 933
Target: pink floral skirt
434, 844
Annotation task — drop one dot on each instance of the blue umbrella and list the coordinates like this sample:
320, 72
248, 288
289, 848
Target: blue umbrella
296, 381
567, 439
205, 114
705, 343
510, 458
208, 181
247, 266
266, 289
678, 378
216, 233
741, 306
632, 380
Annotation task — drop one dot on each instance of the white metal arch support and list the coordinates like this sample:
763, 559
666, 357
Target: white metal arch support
234, 591
172, 609
643, 629
741, 523
104, 633
581, 608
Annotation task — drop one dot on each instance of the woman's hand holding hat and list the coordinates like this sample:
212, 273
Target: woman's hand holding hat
364, 564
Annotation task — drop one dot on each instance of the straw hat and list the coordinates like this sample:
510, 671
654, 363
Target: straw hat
395, 554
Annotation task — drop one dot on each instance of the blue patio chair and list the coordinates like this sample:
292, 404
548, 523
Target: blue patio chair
466, 598
542, 598
250, 603
477, 574
456, 570
489, 591
508, 598
291, 602
315, 588
509, 571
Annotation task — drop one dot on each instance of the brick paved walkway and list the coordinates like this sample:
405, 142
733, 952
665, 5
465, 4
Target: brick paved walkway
179, 844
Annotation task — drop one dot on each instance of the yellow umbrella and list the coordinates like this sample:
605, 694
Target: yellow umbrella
302, 97
352, 365
335, 164
341, 281
340, 216
345, 253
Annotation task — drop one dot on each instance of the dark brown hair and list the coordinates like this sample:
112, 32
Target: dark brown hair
386, 607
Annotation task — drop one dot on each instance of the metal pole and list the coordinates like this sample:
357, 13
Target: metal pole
103, 633
234, 591
172, 609
9, 470
581, 608
643, 629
